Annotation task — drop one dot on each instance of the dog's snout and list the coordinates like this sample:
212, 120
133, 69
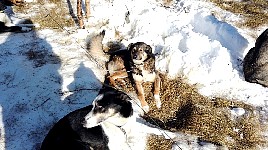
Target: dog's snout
86, 118
135, 56
84, 122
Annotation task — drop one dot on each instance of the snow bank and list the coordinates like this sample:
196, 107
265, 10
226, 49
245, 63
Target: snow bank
190, 41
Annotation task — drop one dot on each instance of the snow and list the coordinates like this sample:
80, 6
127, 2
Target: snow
190, 43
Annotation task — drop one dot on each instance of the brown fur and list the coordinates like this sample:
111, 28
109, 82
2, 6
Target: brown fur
136, 62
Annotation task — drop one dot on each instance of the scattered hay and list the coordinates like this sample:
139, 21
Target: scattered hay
56, 16
158, 143
185, 110
254, 11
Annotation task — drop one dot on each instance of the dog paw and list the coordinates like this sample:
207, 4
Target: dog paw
157, 101
146, 108
169, 135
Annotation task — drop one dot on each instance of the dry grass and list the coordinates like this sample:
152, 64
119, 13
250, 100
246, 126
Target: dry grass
185, 110
155, 142
255, 12
56, 16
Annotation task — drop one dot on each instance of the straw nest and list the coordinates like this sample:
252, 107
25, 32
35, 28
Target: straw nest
185, 110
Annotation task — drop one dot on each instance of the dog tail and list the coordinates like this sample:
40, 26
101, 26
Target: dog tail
95, 49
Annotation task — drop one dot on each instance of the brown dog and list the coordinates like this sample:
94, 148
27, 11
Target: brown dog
136, 62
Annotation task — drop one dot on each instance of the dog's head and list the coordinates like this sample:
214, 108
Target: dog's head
110, 105
139, 52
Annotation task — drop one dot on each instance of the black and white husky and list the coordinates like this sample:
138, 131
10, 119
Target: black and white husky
108, 123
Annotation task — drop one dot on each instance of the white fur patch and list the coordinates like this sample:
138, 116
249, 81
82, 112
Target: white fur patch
91, 120
99, 97
146, 108
146, 77
137, 77
95, 119
138, 61
157, 101
117, 138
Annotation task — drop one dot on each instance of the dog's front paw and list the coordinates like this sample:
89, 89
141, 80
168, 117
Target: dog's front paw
146, 108
157, 101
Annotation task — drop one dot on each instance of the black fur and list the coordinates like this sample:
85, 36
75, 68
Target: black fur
255, 63
69, 134
116, 99
4, 28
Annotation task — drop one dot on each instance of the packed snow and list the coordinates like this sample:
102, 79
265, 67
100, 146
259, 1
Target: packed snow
45, 74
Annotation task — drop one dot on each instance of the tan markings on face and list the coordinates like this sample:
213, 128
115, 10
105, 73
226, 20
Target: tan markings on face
138, 53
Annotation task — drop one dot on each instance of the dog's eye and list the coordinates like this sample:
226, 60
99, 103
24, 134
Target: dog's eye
99, 108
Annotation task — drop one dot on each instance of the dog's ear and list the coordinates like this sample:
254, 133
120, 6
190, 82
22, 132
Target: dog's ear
124, 96
126, 106
126, 109
106, 88
149, 50
129, 46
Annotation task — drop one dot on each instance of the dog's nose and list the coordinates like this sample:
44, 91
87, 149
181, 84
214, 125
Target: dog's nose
135, 56
84, 122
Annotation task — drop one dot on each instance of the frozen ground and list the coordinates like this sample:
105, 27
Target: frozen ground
45, 73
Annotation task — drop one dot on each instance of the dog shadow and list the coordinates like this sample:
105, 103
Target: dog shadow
84, 82
30, 82
31, 90
178, 122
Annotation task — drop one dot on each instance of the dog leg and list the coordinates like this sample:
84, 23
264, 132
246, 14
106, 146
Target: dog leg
117, 75
157, 91
121, 81
140, 93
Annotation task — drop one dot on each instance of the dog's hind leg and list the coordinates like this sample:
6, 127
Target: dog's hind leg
140, 93
121, 81
117, 75
157, 83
